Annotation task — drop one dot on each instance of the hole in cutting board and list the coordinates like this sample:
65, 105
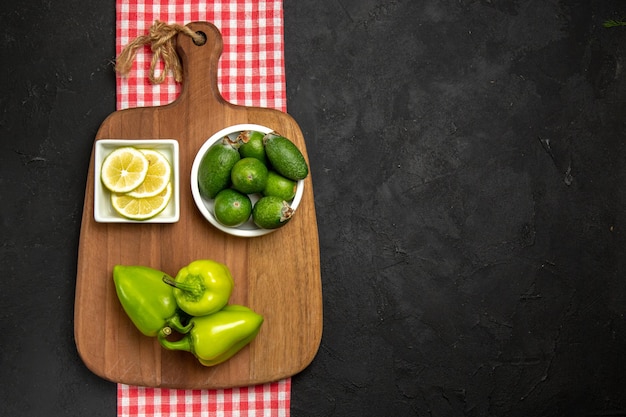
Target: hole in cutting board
203, 40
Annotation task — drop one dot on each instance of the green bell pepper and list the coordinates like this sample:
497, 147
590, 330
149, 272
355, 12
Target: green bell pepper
217, 337
148, 302
202, 287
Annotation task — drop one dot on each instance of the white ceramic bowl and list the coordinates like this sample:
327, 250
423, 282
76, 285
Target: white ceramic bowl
103, 211
205, 205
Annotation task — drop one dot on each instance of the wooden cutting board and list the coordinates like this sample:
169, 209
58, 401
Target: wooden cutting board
277, 275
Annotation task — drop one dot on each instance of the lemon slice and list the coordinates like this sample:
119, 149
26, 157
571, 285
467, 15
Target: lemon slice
141, 208
124, 169
157, 177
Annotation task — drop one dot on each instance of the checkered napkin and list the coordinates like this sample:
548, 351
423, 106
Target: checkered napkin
250, 73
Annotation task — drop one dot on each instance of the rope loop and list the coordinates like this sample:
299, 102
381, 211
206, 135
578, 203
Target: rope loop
162, 40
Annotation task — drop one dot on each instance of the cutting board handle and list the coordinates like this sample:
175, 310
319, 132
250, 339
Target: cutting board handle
200, 86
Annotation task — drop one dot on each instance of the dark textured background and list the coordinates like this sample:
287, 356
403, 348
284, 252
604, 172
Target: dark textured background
468, 159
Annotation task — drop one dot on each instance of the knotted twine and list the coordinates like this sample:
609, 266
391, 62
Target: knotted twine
162, 41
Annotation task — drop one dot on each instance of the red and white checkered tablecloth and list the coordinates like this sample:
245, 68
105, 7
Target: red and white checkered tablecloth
251, 68
250, 73
272, 399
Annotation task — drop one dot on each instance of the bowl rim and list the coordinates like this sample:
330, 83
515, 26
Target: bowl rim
242, 230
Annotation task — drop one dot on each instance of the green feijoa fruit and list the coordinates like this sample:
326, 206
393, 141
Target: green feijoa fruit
251, 145
215, 167
232, 208
249, 175
285, 157
279, 186
271, 212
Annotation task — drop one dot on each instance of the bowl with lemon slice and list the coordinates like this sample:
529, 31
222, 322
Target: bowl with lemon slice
136, 181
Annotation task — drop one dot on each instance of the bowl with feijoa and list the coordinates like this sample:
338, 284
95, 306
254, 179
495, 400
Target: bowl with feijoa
248, 180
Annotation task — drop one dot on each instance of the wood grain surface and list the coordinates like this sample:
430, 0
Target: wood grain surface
277, 275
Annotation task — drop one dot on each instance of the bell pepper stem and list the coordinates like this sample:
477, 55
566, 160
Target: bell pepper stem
182, 344
176, 323
181, 285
